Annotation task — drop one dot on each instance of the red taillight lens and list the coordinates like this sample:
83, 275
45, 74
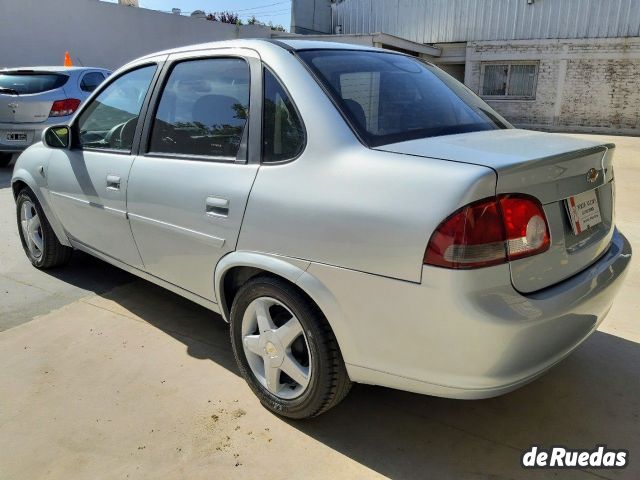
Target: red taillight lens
489, 232
472, 237
62, 108
525, 226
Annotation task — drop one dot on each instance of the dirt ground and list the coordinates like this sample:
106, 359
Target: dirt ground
108, 376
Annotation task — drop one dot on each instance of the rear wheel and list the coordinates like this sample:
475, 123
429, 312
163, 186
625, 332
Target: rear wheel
286, 350
5, 159
38, 238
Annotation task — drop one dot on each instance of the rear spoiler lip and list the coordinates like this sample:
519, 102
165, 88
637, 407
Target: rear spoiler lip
509, 176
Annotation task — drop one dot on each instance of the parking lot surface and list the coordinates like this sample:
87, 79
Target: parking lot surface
108, 376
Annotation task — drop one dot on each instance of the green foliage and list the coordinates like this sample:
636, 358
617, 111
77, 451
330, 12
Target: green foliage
225, 17
254, 21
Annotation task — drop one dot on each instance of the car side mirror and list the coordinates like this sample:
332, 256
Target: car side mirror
57, 136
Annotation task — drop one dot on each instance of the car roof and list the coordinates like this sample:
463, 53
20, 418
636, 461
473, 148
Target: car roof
262, 44
304, 44
51, 69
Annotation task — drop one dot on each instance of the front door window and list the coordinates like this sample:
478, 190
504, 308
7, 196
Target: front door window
110, 121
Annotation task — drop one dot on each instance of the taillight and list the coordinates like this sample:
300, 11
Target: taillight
489, 232
525, 226
62, 108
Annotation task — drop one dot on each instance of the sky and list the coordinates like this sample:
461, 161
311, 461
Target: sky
276, 11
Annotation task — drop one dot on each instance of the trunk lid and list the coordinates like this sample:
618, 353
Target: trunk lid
550, 167
26, 96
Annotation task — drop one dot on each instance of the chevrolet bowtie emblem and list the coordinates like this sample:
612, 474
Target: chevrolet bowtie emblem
592, 175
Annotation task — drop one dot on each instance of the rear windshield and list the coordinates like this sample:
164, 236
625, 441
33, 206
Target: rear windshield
33, 82
391, 98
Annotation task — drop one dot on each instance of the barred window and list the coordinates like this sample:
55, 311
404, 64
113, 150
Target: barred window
509, 80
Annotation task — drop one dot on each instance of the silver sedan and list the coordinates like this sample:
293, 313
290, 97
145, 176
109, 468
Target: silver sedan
356, 214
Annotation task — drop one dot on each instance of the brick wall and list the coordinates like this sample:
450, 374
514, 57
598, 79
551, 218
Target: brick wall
583, 85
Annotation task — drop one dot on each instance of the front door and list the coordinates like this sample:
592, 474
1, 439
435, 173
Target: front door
189, 187
88, 183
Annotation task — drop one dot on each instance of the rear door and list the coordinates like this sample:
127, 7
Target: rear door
189, 186
88, 183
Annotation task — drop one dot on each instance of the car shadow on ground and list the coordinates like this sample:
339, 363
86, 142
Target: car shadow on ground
591, 398
203, 332
90, 273
5, 176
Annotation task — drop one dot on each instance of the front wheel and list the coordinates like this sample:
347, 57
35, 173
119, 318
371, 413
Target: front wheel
38, 238
286, 350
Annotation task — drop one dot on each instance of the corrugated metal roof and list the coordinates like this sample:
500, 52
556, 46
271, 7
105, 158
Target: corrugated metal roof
434, 21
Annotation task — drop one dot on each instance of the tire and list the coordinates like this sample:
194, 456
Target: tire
48, 251
327, 382
5, 159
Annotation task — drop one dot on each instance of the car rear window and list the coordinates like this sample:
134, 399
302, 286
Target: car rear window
23, 83
390, 98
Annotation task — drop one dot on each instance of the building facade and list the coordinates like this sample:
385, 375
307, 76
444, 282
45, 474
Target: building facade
571, 65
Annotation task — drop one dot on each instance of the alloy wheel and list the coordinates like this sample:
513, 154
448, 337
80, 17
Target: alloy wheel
276, 348
32, 229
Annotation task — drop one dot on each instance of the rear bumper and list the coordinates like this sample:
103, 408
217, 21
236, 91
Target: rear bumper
466, 334
32, 130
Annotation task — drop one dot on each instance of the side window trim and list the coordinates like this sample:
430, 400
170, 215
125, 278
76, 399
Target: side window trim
159, 64
265, 68
247, 152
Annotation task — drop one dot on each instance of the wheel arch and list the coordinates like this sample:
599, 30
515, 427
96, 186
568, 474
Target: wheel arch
237, 267
23, 179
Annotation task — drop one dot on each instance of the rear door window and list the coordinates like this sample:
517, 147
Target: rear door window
25, 83
203, 109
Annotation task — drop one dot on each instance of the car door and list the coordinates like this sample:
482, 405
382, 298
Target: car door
188, 188
88, 182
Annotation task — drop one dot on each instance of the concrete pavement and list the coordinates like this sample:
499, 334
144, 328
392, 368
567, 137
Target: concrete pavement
108, 376
26, 292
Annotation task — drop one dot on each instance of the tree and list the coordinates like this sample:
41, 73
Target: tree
225, 17
254, 21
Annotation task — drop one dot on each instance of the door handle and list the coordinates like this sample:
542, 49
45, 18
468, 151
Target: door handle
217, 207
113, 182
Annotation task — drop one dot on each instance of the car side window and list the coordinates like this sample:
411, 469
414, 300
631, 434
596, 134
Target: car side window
282, 130
110, 120
203, 109
90, 81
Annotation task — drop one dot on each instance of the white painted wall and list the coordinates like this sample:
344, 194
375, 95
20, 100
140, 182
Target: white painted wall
99, 34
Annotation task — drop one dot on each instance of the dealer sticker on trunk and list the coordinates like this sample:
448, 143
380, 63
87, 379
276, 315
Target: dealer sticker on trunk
584, 211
